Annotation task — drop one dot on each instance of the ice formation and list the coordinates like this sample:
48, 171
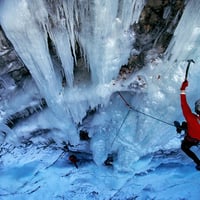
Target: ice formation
50, 38
105, 47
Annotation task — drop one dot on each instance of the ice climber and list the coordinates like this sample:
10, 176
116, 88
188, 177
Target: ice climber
74, 160
192, 136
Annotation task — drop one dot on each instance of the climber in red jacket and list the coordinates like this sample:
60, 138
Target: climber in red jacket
192, 136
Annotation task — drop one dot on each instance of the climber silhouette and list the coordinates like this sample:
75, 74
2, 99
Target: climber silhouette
74, 160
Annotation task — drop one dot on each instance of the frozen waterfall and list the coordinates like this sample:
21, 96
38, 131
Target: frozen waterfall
74, 51
49, 37
105, 47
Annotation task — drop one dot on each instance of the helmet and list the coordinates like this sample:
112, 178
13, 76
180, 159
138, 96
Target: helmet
197, 106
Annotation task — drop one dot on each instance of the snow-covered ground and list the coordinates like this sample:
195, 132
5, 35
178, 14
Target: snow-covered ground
38, 172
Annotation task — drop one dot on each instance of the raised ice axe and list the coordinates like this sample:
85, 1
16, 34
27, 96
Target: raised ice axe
188, 66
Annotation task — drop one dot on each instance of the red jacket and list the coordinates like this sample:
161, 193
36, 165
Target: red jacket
193, 120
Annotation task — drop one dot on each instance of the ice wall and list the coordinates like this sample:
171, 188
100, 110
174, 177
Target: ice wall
186, 45
186, 36
101, 30
141, 134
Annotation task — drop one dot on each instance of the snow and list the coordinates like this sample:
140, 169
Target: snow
36, 172
147, 161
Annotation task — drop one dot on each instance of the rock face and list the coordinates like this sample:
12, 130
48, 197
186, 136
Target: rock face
157, 24
153, 32
10, 63
155, 28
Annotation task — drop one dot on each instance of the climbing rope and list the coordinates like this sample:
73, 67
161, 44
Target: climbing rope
134, 109
138, 111
118, 131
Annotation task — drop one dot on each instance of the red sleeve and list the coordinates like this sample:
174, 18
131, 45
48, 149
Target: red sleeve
193, 121
185, 107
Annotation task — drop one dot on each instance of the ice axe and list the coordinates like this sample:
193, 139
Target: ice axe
188, 66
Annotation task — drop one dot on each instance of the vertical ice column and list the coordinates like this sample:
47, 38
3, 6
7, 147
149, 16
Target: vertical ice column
30, 41
24, 23
105, 36
62, 35
186, 37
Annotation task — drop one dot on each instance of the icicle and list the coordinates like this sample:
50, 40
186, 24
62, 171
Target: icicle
62, 40
186, 35
107, 45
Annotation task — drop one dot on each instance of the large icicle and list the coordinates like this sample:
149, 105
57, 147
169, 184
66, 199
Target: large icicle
58, 31
107, 45
24, 24
29, 40
187, 34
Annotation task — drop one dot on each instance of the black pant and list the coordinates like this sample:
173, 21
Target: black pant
186, 145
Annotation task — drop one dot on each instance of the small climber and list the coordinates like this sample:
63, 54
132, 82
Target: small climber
192, 128
74, 160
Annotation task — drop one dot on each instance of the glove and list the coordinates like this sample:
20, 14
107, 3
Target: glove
184, 85
184, 126
178, 126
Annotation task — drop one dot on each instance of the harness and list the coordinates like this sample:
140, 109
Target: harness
183, 127
190, 139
